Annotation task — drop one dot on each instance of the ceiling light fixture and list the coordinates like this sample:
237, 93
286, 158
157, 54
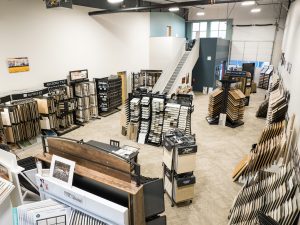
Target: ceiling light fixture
115, 1
255, 10
200, 13
247, 3
173, 9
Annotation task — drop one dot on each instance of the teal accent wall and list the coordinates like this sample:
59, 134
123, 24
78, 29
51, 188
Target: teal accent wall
160, 20
189, 25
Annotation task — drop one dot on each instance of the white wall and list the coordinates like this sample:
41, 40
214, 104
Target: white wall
241, 15
163, 51
291, 48
59, 40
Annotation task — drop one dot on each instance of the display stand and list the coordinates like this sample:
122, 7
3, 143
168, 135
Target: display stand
179, 162
109, 94
226, 84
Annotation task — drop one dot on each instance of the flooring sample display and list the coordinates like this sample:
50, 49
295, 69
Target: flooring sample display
82, 92
21, 120
263, 109
155, 134
274, 194
145, 119
109, 93
278, 106
235, 105
215, 103
171, 116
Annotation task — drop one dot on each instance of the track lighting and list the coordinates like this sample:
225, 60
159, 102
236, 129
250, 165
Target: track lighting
200, 13
247, 3
173, 9
115, 1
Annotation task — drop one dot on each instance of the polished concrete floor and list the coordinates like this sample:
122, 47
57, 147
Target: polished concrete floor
219, 150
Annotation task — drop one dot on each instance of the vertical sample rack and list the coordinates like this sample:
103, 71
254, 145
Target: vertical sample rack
79, 82
109, 93
179, 162
65, 104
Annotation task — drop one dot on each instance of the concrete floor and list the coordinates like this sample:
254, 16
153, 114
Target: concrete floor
219, 150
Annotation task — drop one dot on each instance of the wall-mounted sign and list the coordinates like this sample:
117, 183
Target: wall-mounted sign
78, 75
20, 64
31, 94
55, 83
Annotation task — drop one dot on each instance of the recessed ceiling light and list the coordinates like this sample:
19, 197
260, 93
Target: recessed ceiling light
173, 9
255, 10
246, 3
115, 1
200, 13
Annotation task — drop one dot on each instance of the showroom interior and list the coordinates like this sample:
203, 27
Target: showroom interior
133, 112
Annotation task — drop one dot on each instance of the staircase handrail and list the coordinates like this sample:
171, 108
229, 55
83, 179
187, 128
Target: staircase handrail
167, 73
191, 56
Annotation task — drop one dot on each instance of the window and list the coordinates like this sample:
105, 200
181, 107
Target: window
199, 27
218, 29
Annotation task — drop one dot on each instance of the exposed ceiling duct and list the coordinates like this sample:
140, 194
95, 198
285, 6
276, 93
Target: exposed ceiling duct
162, 6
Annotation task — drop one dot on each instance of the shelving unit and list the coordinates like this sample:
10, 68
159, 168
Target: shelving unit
65, 105
145, 79
179, 162
265, 76
21, 120
157, 121
109, 93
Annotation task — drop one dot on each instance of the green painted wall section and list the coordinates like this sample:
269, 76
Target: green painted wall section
160, 20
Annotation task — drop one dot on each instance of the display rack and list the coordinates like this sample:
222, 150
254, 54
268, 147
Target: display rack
179, 162
245, 79
21, 120
265, 76
157, 119
109, 93
65, 104
145, 79
226, 105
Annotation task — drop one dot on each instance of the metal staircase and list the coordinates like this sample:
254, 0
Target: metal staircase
176, 72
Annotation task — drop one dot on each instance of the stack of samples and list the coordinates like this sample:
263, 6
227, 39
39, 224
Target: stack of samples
145, 121
265, 76
47, 109
66, 106
171, 116
109, 93
235, 105
93, 100
21, 120
134, 124
78, 217
263, 109
179, 162
270, 148
44, 212
82, 92
278, 106
215, 103
274, 194
183, 118
158, 105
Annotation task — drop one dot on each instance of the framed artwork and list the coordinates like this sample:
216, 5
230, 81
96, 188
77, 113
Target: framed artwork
16, 65
62, 169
